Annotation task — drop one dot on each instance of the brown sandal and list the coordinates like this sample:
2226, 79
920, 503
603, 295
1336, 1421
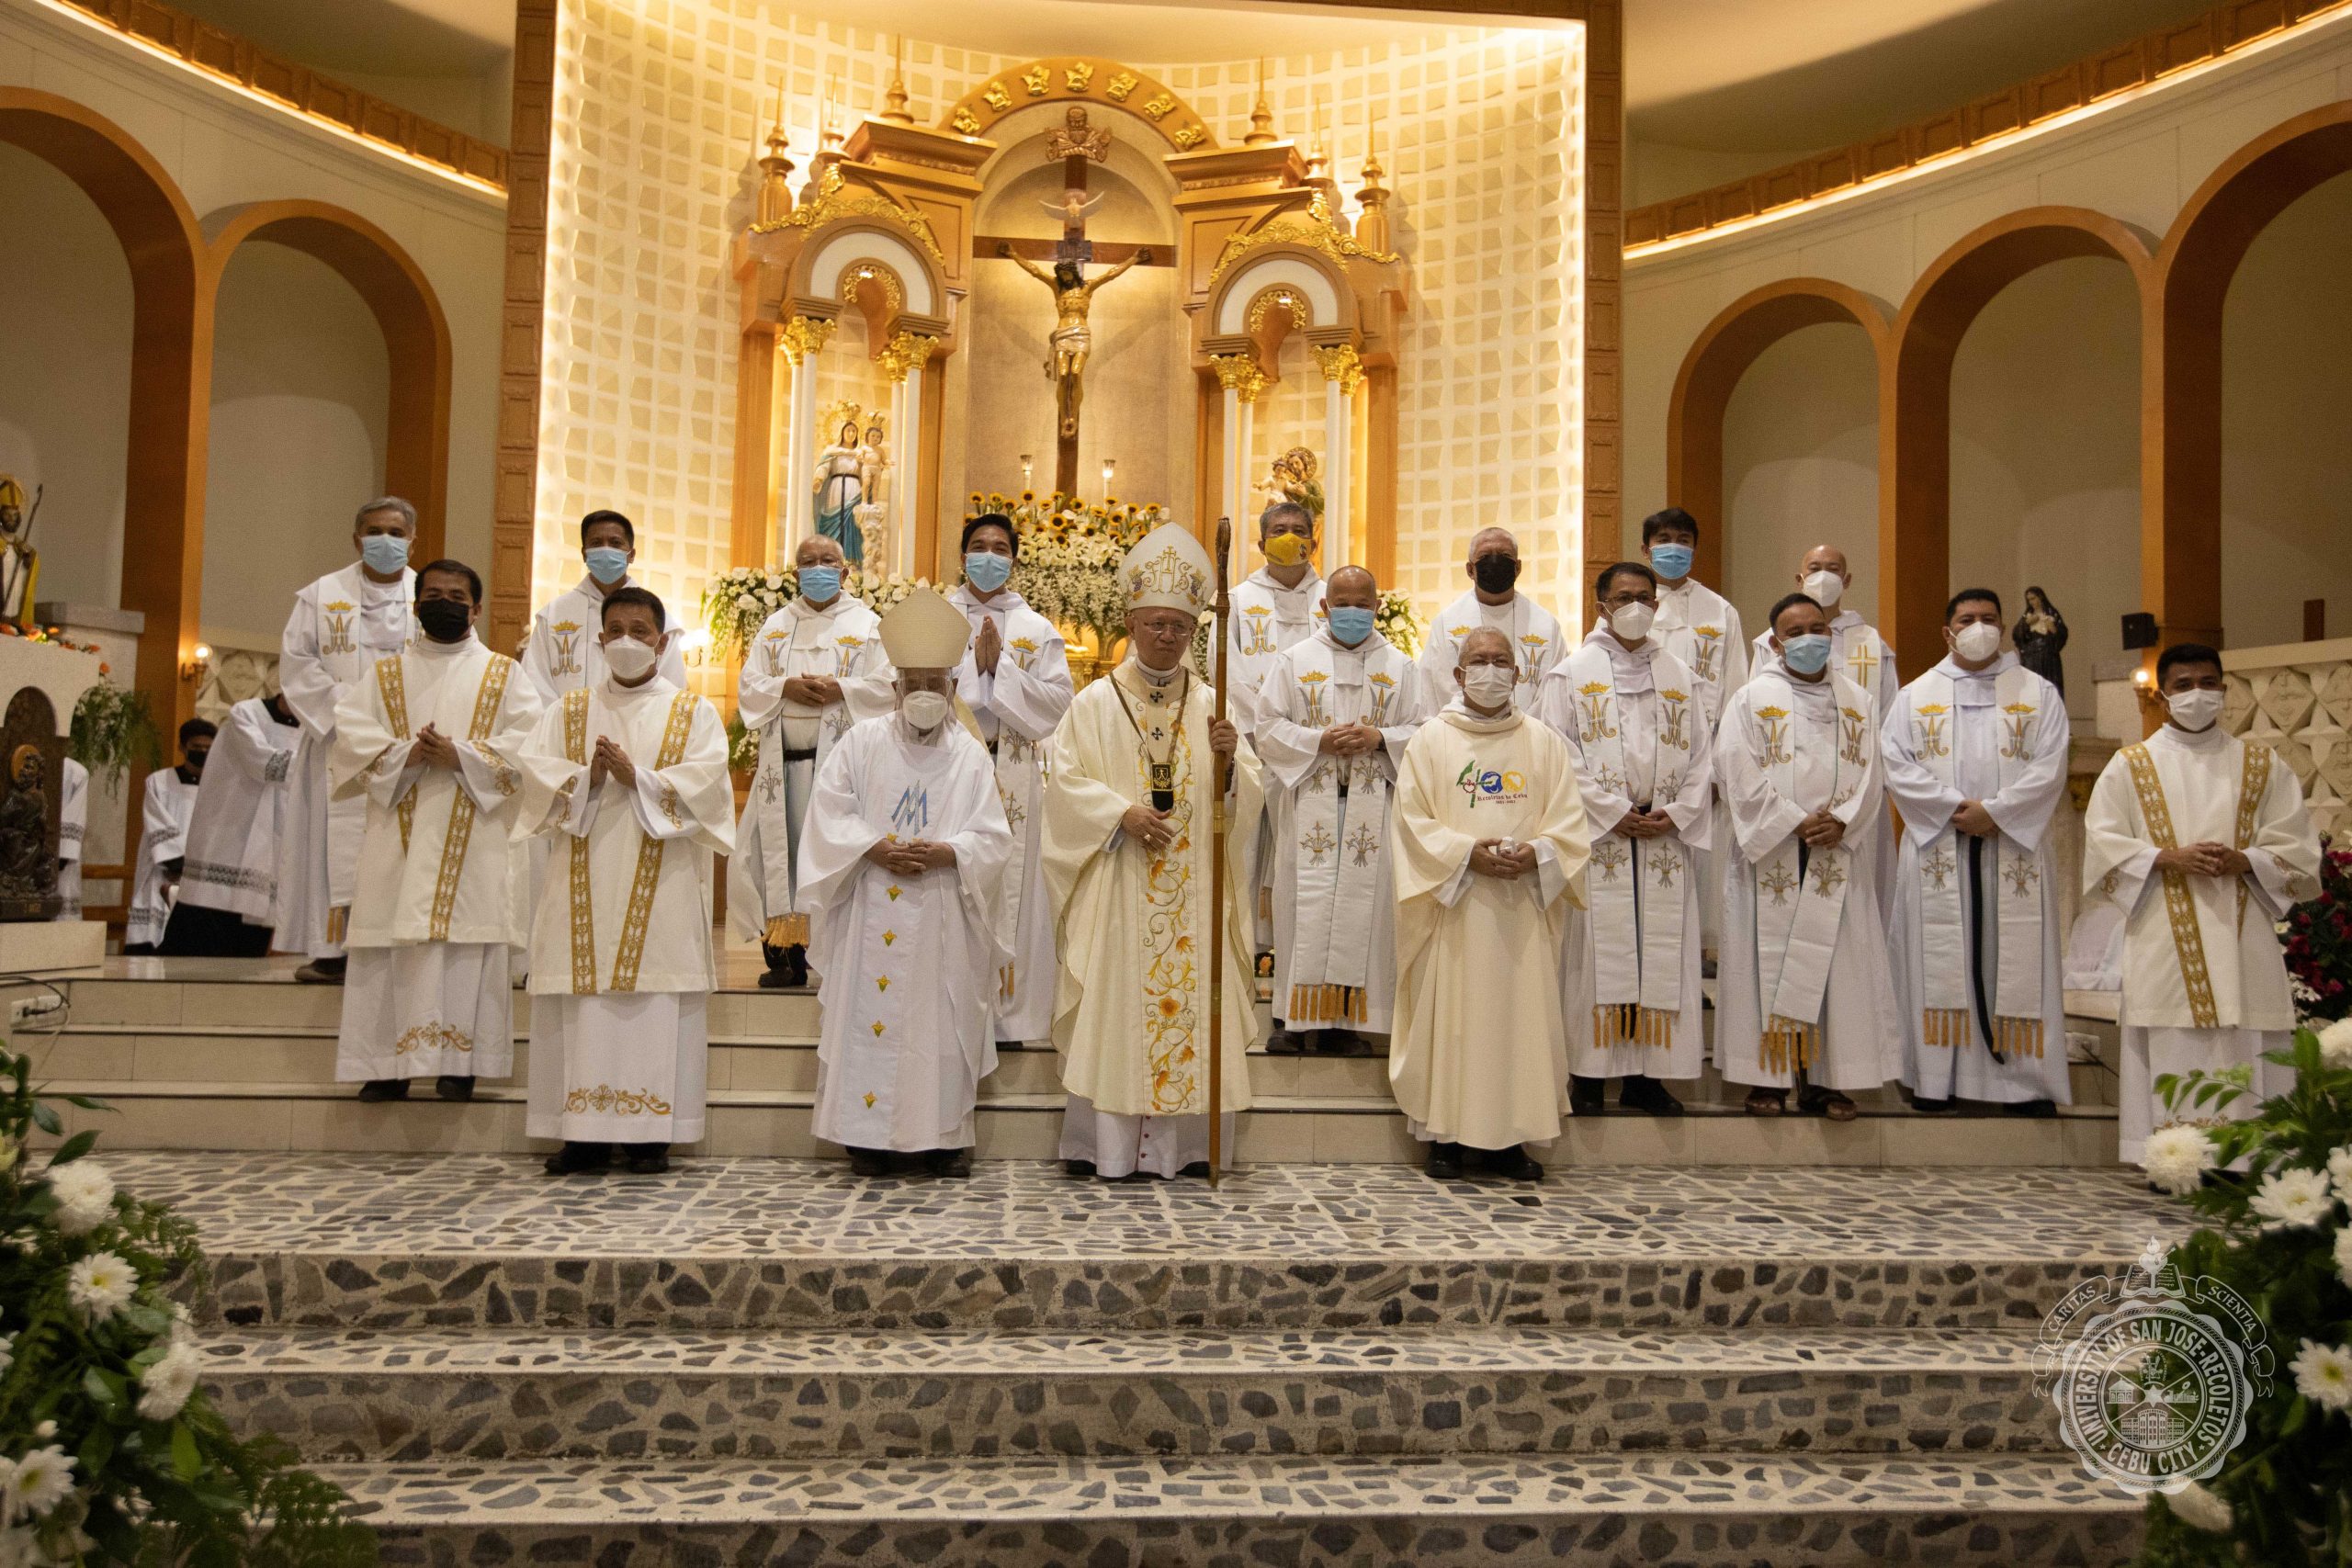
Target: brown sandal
1836, 1107
1767, 1102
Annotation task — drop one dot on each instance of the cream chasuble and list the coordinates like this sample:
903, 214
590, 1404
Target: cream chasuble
341, 625
73, 824
433, 914
1630, 960
911, 965
1017, 709
165, 808
233, 831
621, 964
2204, 981
1534, 637
1479, 1056
1335, 943
1268, 621
1976, 939
1804, 973
1132, 1013
841, 642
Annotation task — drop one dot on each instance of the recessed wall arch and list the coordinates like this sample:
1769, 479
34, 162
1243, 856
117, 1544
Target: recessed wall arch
2180, 542
1915, 395
1710, 372
416, 336
856, 242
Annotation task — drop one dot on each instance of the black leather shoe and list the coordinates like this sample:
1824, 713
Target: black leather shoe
796, 967
870, 1162
649, 1159
321, 971
1649, 1095
375, 1091
1512, 1164
1198, 1170
953, 1163
1586, 1096
579, 1159
2030, 1108
1083, 1170
1924, 1106
1445, 1162
450, 1086
1286, 1042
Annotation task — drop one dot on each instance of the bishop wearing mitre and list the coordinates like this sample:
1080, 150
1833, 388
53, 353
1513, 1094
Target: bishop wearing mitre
905, 868
1128, 845
1644, 754
1490, 854
815, 667
1335, 713
1808, 1000
627, 778
431, 740
2203, 841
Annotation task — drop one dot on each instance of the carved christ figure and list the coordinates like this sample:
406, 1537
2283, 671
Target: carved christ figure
1072, 339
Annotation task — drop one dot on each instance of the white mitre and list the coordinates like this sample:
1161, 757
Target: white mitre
1168, 570
924, 631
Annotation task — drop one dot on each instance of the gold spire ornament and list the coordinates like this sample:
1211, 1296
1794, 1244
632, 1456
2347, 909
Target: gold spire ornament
1262, 117
775, 169
1371, 227
894, 102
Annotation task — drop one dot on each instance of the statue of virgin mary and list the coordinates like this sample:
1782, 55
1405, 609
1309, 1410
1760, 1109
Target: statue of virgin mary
839, 492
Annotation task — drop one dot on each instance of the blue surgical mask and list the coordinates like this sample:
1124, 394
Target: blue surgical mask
1350, 623
820, 583
987, 572
384, 553
1807, 655
1671, 561
607, 564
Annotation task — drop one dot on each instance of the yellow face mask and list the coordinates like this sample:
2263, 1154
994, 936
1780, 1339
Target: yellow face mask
1287, 549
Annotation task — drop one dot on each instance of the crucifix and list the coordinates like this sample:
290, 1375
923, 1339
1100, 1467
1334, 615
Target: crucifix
1075, 147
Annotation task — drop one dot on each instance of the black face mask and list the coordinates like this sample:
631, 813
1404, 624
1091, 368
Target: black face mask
1495, 574
444, 620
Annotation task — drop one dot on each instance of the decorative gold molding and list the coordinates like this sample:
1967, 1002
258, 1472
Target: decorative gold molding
1340, 363
1081, 79
840, 200
804, 335
906, 352
1281, 297
894, 293
1312, 228
1239, 374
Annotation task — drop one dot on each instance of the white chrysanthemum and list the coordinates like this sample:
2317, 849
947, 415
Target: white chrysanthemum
2336, 1045
2200, 1509
84, 1195
42, 1480
2293, 1197
2324, 1375
2339, 1171
2177, 1159
101, 1284
20, 1547
2343, 1254
167, 1383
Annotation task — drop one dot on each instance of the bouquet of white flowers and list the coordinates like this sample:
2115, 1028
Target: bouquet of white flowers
740, 600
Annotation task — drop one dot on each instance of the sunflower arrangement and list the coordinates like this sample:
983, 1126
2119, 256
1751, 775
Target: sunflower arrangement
1070, 550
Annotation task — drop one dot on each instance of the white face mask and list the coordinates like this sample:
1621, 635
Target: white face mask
924, 710
1490, 685
629, 659
2197, 709
1977, 642
1633, 622
1825, 588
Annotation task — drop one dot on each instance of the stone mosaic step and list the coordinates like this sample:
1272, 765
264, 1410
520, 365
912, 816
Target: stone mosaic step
488, 1395
1308, 1512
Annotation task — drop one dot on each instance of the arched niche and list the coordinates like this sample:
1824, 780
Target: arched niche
415, 329
2180, 543
1724, 352
838, 253
1915, 453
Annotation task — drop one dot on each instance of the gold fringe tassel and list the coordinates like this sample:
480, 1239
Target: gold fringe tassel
1945, 1026
1630, 1023
786, 930
338, 924
2011, 1037
1006, 991
1789, 1045
1325, 1004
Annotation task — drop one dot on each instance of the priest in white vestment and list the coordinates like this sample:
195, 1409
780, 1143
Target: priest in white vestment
227, 906
905, 866
1274, 608
1807, 997
1975, 757
73, 824
1014, 681
1630, 975
1856, 651
627, 778
2203, 841
1701, 627
342, 624
1335, 713
1494, 601
431, 740
565, 650
1492, 845
1129, 853
815, 668
165, 808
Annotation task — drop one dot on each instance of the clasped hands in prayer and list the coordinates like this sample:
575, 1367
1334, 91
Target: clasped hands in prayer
434, 749
812, 691
1639, 824
2205, 859
1488, 858
611, 761
911, 857
986, 647
1150, 828
1350, 740
1822, 830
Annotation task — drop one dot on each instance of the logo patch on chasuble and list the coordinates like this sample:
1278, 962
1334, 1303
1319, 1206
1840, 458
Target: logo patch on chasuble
1491, 786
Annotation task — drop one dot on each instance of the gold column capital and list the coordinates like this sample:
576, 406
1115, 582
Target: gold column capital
1340, 363
907, 351
805, 335
1239, 374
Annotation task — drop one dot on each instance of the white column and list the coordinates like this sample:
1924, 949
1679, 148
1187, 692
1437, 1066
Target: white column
800, 455
910, 469
1236, 441
1338, 429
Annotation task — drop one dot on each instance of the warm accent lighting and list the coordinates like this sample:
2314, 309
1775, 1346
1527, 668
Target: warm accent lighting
1027, 463
1110, 466
696, 644
199, 666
